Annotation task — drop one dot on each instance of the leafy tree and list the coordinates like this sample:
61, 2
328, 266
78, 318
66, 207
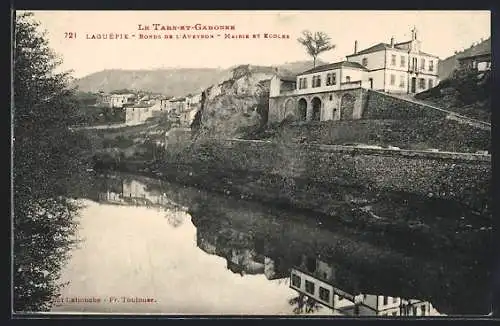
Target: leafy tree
303, 304
47, 156
316, 43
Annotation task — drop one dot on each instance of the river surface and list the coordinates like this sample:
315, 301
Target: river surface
149, 246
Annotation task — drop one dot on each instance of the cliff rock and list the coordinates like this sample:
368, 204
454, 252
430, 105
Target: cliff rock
238, 105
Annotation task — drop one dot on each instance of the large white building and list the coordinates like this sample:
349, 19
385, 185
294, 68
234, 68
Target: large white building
389, 67
398, 67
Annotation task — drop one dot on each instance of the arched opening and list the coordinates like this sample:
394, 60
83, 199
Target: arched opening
289, 109
347, 107
316, 109
302, 108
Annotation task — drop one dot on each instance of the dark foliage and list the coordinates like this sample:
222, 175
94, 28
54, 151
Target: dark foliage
48, 156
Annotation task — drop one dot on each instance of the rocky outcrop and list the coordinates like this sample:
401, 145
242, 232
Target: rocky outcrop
236, 106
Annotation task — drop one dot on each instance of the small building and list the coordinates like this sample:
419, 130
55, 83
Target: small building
121, 100
281, 83
138, 113
480, 61
177, 105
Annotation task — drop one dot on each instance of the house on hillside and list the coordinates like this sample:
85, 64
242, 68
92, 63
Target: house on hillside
398, 67
193, 101
335, 91
138, 113
478, 61
177, 105
121, 100
477, 56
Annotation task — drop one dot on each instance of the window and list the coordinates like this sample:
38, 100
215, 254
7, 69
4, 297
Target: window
402, 81
393, 79
331, 97
414, 311
347, 79
422, 64
364, 62
316, 81
430, 83
394, 300
324, 294
421, 82
302, 83
393, 60
394, 313
331, 79
310, 287
386, 300
403, 61
296, 280
422, 309
414, 63
431, 65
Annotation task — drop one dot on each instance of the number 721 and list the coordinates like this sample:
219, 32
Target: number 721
69, 35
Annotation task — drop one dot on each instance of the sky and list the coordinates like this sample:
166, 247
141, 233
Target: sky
441, 32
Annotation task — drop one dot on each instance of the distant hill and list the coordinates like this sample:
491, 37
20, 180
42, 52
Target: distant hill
168, 81
448, 65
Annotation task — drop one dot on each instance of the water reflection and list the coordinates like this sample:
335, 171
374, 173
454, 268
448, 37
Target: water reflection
332, 271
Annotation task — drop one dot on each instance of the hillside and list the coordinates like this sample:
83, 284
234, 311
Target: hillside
168, 81
448, 65
466, 92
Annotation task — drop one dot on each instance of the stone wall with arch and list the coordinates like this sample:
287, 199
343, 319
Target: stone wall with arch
328, 104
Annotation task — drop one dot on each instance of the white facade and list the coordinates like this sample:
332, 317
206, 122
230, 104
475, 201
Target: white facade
322, 291
330, 80
119, 100
399, 67
136, 115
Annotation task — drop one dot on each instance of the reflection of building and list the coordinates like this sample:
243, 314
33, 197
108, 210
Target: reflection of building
316, 279
136, 193
239, 251
111, 197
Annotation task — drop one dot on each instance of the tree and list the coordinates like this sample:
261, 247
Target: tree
316, 43
47, 157
303, 304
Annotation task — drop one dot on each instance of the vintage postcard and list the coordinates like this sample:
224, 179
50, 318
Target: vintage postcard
270, 163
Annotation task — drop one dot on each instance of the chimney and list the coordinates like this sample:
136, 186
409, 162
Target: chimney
355, 47
392, 42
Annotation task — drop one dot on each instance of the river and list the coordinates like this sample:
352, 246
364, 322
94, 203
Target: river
150, 246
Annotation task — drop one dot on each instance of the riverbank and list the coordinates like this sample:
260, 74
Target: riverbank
386, 218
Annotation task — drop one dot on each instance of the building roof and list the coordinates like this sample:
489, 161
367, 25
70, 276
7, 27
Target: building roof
375, 48
386, 46
475, 56
332, 66
480, 49
288, 78
141, 105
123, 95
